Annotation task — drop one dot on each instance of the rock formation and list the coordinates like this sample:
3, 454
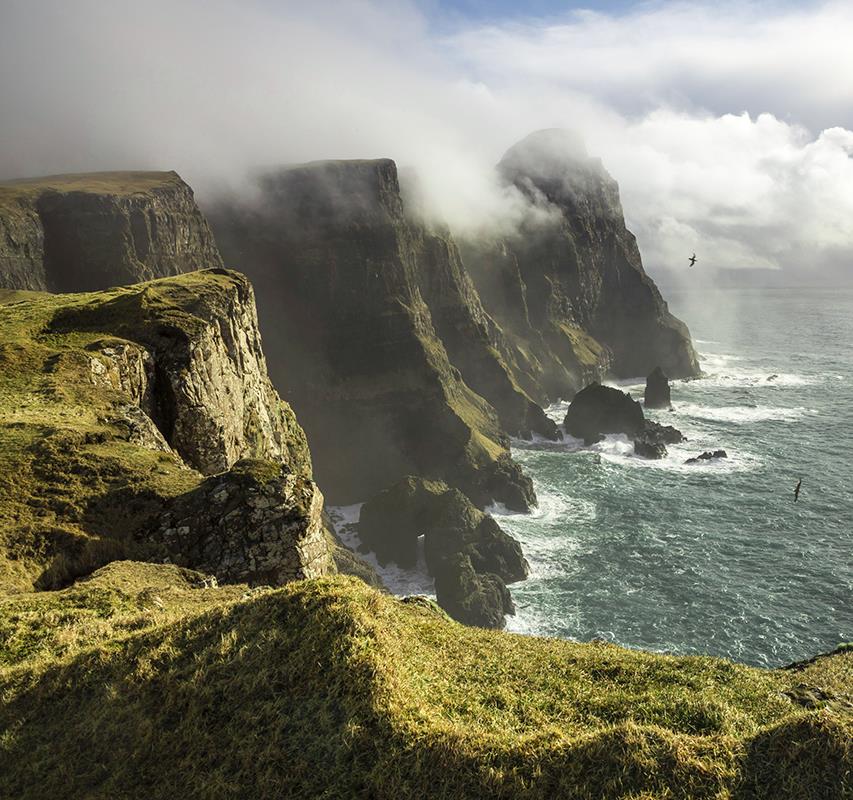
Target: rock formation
708, 455
569, 283
657, 393
75, 233
598, 410
255, 524
115, 405
458, 540
338, 270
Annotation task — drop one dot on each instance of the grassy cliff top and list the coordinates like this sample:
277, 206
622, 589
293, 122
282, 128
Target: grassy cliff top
114, 183
141, 682
71, 485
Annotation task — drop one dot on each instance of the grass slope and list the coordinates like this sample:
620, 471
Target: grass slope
72, 488
141, 683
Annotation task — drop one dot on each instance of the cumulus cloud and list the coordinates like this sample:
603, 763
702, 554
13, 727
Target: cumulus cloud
728, 127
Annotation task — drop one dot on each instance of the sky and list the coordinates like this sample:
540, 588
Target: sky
729, 126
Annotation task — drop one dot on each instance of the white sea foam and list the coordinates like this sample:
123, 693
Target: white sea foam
743, 414
397, 580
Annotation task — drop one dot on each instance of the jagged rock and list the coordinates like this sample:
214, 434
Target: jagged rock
74, 233
475, 599
195, 366
707, 456
124, 397
646, 449
661, 434
597, 410
391, 523
502, 478
657, 393
569, 282
256, 524
337, 265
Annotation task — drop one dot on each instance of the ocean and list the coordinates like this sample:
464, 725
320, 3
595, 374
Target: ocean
713, 558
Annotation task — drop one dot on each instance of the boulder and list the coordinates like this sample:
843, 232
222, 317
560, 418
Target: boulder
255, 524
472, 598
647, 449
597, 410
657, 394
707, 456
661, 434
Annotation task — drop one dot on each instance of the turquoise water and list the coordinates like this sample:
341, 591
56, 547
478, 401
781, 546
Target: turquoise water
712, 558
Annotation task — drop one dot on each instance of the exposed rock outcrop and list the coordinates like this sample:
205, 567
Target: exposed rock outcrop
255, 524
336, 264
570, 282
708, 455
458, 540
73, 233
657, 393
597, 410
477, 599
190, 358
115, 403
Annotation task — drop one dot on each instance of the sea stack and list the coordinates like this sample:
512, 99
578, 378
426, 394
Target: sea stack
657, 394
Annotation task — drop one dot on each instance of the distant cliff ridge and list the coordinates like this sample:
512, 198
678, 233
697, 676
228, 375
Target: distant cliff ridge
75, 233
570, 283
338, 269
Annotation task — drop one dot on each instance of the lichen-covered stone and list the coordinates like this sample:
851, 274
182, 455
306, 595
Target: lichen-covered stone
255, 524
73, 233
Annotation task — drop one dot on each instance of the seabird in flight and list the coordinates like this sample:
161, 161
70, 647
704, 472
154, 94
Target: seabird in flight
692, 259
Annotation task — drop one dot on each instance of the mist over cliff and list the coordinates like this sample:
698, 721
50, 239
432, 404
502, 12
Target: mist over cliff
729, 132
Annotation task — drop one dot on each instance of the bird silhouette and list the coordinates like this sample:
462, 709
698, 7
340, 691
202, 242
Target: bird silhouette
692, 259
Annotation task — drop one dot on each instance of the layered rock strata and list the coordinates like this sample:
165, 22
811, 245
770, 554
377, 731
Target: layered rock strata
338, 269
74, 233
569, 283
115, 405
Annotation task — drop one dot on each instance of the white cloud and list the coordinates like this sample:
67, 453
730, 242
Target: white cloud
727, 126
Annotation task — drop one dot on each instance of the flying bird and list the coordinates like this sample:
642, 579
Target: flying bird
692, 259
797, 490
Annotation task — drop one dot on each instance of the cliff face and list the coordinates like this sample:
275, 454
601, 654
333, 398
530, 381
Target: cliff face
338, 271
87, 232
570, 281
113, 407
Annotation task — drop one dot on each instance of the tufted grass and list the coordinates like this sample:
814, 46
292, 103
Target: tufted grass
328, 688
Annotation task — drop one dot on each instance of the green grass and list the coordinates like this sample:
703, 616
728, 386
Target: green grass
328, 688
113, 183
72, 490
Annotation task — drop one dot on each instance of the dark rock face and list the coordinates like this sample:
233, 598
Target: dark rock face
338, 269
573, 274
646, 449
256, 524
481, 600
86, 232
657, 394
597, 410
453, 529
708, 455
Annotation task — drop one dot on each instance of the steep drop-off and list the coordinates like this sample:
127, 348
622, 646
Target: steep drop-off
113, 407
74, 233
338, 269
568, 283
